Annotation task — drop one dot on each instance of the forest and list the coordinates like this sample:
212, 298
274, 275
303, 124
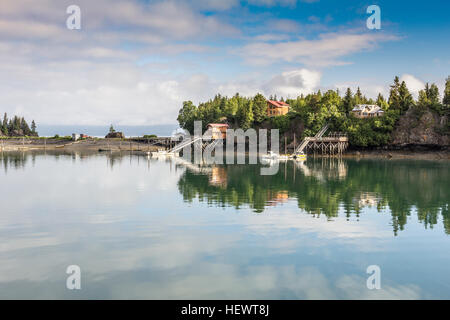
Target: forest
316, 109
17, 127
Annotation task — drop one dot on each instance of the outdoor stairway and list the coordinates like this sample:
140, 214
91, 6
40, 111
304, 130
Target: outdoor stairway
183, 144
305, 142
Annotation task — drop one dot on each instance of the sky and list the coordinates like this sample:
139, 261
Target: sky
133, 62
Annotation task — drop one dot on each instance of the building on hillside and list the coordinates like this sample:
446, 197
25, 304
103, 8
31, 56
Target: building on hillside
218, 130
277, 108
367, 111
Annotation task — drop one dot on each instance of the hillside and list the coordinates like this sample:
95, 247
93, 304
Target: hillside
421, 129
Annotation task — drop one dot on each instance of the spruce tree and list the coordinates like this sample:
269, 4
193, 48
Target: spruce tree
247, 115
394, 97
358, 98
5, 124
381, 102
259, 108
347, 102
405, 98
33, 128
446, 101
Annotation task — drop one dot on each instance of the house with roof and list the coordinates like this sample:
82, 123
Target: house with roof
277, 108
367, 111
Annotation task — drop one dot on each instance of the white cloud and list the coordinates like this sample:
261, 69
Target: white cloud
271, 3
370, 88
292, 83
414, 85
325, 51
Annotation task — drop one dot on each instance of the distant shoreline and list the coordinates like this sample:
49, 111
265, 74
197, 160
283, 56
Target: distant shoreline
92, 144
128, 144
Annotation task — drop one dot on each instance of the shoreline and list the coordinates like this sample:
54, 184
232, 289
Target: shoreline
118, 145
98, 144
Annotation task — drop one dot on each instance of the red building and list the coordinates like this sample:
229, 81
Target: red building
277, 108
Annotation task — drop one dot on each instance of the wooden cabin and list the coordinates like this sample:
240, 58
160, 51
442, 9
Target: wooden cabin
277, 108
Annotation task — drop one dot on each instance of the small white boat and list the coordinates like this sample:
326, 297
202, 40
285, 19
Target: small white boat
163, 153
270, 156
274, 156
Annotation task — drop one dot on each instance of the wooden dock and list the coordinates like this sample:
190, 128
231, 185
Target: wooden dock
333, 144
327, 145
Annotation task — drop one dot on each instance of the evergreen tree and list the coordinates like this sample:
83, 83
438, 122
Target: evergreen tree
347, 102
381, 102
24, 128
358, 98
405, 98
33, 128
429, 98
259, 108
394, 97
423, 102
247, 115
446, 100
16, 125
231, 107
433, 95
5, 125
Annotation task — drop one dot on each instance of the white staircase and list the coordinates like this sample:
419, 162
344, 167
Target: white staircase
305, 142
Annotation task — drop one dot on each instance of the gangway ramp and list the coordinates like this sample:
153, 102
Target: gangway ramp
184, 144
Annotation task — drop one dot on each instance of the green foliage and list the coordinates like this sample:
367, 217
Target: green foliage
390, 181
316, 109
347, 102
381, 102
394, 96
16, 127
187, 115
150, 136
429, 99
446, 100
405, 98
371, 132
259, 108
280, 122
246, 115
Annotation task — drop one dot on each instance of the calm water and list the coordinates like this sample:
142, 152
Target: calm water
146, 228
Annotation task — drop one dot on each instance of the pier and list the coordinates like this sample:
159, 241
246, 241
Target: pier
334, 144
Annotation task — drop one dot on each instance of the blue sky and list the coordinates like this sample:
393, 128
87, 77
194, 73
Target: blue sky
133, 62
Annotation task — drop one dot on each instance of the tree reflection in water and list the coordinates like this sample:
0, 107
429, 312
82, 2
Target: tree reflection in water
330, 186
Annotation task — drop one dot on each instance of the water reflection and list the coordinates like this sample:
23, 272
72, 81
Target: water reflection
330, 186
162, 228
